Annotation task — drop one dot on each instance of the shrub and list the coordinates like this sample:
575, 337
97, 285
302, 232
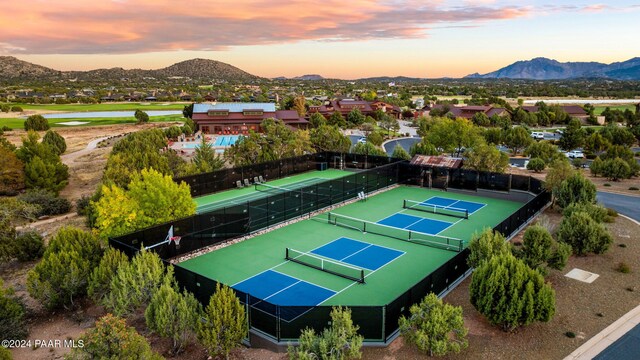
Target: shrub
511, 294
29, 246
376, 138
434, 327
16, 108
485, 245
47, 201
83, 204
5, 354
5, 128
224, 324
57, 142
606, 185
575, 189
536, 246
173, 314
12, 315
62, 274
623, 268
113, 339
616, 169
100, 279
536, 164
141, 116
400, 153
597, 212
135, 283
7, 238
634, 188
36, 123
5, 108
12, 177
584, 234
596, 166
570, 334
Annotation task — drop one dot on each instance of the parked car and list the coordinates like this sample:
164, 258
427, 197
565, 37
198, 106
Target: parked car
560, 131
575, 154
537, 135
362, 140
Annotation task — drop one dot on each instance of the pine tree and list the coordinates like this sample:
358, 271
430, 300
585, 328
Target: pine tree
339, 341
224, 324
100, 278
486, 245
584, 234
400, 153
206, 159
56, 141
173, 314
575, 189
434, 327
510, 294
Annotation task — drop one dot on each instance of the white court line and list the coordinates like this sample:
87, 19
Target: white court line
451, 226
283, 289
364, 248
300, 280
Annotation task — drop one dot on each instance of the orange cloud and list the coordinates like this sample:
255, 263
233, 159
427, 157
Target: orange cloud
83, 27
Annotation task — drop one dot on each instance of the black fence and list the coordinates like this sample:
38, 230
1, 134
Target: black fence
284, 323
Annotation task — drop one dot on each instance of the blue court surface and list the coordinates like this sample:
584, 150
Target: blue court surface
470, 206
281, 289
414, 223
625, 348
358, 253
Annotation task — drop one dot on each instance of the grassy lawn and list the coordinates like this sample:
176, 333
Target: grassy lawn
102, 107
600, 109
19, 123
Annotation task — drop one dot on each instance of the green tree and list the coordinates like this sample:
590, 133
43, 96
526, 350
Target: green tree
206, 159
28, 246
113, 339
615, 169
493, 136
536, 164
368, 148
56, 142
151, 199
596, 166
559, 170
173, 314
483, 157
624, 153
12, 314
61, 276
299, 103
584, 234
224, 324
100, 279
597, 212
576, 189
187, 111
596, 143
135, 283
436, 328
43, 167
376, 138
36, 123
141, 116
423, 148
355, 118
11, 172
453, 136
511, 294
539, 249
337, 119
573, 135
389, 123
316, 120
485, 245
329, 138
543, 150
518, 139
481, 119
338, 342
400, 153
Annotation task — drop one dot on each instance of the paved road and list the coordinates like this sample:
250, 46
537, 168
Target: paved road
623, 204
406, 144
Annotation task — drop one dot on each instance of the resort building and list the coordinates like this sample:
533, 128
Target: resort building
239, 118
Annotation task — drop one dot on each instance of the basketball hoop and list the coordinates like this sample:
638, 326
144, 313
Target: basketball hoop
176, 239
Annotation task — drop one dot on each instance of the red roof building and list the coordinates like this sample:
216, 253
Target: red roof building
240, 118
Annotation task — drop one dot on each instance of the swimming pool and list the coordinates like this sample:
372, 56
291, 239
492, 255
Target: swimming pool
196, 145
226, 140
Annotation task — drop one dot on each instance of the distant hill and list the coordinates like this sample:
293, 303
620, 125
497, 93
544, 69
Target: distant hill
309, 77
390, 79
548, 69
197, 69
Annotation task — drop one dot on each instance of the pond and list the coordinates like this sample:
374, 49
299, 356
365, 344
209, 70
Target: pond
108, 114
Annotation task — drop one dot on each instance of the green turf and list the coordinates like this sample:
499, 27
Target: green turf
205, 201
102, 107
600, 109
240, 261
18, 123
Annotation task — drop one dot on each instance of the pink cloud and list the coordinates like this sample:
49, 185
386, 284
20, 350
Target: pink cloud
77, 27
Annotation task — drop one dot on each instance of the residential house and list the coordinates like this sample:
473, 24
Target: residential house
240, 118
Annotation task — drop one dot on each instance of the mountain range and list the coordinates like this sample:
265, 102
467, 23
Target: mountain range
549, 69
12, 69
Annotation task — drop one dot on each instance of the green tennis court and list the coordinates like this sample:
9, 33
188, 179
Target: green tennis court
245, 194
389, 255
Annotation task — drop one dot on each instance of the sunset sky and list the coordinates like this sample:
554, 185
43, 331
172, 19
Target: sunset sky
333, 38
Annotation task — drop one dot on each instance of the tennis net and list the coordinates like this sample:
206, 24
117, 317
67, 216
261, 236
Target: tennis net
437, 241
436, 209
330, 266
